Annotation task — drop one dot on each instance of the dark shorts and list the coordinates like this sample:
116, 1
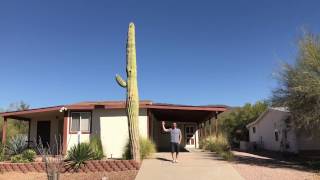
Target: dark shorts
175, 147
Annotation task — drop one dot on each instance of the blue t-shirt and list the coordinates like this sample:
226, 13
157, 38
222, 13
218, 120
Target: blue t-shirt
174, 135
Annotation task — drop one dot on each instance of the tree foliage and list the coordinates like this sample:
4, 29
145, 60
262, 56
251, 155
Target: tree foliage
299, 85
15, 126
234, 121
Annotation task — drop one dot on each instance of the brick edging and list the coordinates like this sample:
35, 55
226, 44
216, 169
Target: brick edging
90, 166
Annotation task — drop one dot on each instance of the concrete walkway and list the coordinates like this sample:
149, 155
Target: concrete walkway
194, 165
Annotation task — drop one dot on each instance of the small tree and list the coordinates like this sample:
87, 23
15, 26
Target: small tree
299, 85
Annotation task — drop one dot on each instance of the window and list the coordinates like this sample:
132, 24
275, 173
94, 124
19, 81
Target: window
80, 121
254, 129
276, 135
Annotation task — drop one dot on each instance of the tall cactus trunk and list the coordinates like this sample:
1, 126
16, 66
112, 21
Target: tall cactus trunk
132, 101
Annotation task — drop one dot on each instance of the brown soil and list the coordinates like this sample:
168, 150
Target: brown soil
121, 175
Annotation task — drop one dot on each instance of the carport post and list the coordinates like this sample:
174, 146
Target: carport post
4, 130
216, 119
65, 131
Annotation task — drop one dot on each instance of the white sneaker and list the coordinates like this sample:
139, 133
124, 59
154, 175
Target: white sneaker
176, 161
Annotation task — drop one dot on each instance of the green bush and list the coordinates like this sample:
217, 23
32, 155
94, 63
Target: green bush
17, 144
29, 154
147, 149
78, 154
18, 159
218, 144
96, 146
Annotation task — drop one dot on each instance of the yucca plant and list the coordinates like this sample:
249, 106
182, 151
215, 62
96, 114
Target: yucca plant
79, 154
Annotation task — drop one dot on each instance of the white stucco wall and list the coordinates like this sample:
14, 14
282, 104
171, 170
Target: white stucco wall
114, 130
264, 136
112, 127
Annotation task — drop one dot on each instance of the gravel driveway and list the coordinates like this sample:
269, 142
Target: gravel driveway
255, 167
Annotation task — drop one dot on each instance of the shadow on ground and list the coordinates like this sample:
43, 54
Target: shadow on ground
274, 160
163, 159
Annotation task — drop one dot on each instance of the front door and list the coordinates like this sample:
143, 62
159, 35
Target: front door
43, 133
190, 137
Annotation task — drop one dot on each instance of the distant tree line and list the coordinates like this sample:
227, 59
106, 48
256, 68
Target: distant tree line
15, 126
298, 90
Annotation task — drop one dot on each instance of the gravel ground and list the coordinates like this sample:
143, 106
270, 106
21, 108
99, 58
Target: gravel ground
254, 167
122, 175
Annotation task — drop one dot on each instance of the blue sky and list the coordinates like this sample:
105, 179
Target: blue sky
188, 52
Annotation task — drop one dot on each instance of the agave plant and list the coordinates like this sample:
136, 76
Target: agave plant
17, 144
79, 154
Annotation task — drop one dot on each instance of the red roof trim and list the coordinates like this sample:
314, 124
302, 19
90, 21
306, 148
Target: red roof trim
115, 105
29, 111
193, 108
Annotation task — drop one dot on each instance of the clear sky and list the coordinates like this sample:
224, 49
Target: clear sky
188, 52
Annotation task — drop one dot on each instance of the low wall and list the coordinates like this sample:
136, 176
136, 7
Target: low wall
89, 166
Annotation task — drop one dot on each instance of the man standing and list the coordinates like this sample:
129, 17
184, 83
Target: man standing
175, 140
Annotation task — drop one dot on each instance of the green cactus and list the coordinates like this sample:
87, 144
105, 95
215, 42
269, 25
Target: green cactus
132, 101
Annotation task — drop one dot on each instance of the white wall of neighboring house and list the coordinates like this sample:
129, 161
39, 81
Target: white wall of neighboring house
274, 120
266, 127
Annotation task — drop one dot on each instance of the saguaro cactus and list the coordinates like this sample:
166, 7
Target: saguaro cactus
132, 101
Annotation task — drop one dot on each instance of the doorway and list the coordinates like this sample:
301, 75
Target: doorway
190, 137
43, 133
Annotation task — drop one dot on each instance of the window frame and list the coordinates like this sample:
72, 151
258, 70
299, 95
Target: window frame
254, 129
81, 132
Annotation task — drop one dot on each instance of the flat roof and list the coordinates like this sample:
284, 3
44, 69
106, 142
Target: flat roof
90, 105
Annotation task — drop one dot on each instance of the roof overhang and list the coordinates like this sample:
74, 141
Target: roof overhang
114, 105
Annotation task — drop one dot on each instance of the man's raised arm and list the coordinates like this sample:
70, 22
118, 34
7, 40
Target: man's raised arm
164, 128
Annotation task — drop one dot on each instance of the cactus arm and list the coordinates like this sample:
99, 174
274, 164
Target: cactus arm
120, 81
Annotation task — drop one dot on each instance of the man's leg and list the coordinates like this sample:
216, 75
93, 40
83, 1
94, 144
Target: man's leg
177, 151
172, 151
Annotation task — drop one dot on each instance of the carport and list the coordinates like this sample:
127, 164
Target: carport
190, 119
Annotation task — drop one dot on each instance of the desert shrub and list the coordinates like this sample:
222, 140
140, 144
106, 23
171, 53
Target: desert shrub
18, 159
2, 151
218, 144
227, 155
78, 154
29, 154
96, 146
147, 149
17, 144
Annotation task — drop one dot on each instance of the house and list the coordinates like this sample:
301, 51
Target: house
273, 130
78, 122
